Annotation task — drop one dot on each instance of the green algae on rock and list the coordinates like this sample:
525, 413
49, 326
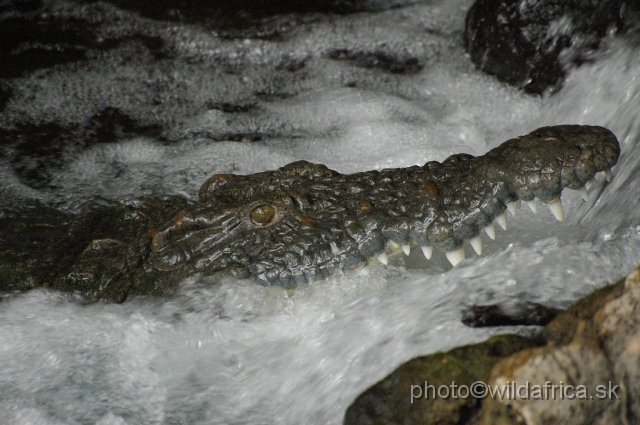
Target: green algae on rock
395, 399
589, 354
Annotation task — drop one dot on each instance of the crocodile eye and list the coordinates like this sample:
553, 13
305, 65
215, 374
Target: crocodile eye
263, 214
429, 188
364, 207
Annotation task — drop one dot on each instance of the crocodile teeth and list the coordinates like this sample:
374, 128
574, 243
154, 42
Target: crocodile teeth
427, 250
364, 271
394, 245
491, 231
593, 181
383, 258
476, 243
518, 204
502, 220
455, 257
533, 206
511, 206
406, 248
607, 174
556, 209
583, 192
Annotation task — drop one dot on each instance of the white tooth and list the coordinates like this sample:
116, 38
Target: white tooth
518, 204
394, 245
512, 208
364, 271
533, 206
383, 258
556, 209
583, 192
490, 231
406, 248
427, 250
455, 257
476, 243
607, 174
502, 220
592, 181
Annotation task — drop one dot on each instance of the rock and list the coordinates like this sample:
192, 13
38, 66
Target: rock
401, 397
525, 314
39, 150
530, 44
593, 346
385, 59
596, 375
238, 13
549, 382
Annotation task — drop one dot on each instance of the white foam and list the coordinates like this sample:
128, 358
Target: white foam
235, 352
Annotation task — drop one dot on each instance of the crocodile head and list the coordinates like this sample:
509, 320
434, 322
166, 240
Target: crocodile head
304, 222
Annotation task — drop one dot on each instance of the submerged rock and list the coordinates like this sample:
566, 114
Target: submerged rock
530, 44
582, 368
526, 314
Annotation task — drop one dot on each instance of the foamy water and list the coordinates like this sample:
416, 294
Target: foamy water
233, 352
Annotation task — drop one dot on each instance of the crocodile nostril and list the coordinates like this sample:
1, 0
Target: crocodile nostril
263, 214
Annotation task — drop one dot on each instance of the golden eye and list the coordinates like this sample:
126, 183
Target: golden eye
263, 214
364, 207
429, 188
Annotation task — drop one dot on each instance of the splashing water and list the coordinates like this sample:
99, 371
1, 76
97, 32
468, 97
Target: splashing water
224, 351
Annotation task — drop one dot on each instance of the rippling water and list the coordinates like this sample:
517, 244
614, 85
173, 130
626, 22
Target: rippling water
229, 352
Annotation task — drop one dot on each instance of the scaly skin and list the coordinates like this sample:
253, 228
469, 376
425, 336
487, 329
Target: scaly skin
304, 222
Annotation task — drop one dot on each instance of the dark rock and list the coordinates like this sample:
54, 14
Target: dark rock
38, 150
30, 44
394, 62
39, 39
390, 401
230, 14
292, 64
5, 95
561, 330
230, 107
526, 314
531, 44
110, 125
573, 334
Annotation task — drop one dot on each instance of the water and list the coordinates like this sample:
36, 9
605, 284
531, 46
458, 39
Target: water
232, 352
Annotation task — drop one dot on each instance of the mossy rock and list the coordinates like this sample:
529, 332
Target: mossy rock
391, 400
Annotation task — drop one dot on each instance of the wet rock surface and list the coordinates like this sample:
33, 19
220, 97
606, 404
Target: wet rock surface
401, 397
531, 44
588, 356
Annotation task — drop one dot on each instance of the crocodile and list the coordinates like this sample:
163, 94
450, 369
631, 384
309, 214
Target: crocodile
300, 223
